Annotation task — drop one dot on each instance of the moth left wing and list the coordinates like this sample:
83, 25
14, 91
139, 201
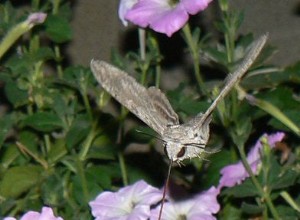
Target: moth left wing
150, 105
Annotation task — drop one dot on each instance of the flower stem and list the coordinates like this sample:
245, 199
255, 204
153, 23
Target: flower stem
82, 177
87, 144
87, 103
142, 43
121, 159
195, 55
123, 168
263, 193
13, 35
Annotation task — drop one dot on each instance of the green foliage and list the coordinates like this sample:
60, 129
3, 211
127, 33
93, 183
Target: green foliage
62, 142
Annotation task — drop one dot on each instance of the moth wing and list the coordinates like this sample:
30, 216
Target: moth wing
236, 76
162, 106
126, 90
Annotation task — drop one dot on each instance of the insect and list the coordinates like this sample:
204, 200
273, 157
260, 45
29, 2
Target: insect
181, 141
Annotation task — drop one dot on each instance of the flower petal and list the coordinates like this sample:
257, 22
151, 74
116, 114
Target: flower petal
110, 204
130, 202
169, 22
208, 201
159, 15
145, 10
142, 193
46, 214
254, 153
194, 6
199, 207
235, 173
232, 174
124, 6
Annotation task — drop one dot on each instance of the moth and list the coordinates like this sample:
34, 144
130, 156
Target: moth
181, 141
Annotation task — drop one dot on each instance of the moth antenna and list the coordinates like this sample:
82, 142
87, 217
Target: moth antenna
151, 135
201, 146
202, 158
165, 190
212, 152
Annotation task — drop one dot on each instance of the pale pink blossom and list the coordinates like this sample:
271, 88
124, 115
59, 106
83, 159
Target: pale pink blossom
129, 203
46, 214
163, 16
236, 173
200, 207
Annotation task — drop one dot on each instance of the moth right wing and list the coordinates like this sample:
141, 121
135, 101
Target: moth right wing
150, 105
236, 76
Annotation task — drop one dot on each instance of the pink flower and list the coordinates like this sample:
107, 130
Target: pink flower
131, 202
200, 207
234, 174
46, 214
124, 6
163, 16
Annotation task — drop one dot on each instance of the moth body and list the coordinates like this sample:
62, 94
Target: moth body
186, 140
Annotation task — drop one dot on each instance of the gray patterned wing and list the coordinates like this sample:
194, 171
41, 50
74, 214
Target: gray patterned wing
236, 76
150, 105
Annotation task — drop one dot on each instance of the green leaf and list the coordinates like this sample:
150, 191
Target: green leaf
78, 131
246, 189
15, 96
43, 121
43, 53
263, 80
9, 156
230, 212
52, 190
281, 97
57, 151
288, 178
251, 209
292, 114
6, 123
102, 149
29, 139
100, 175
217, 162
58, 29
287, 213
186, 104
18, 180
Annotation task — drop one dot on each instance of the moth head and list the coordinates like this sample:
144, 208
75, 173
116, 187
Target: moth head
177, 152
186, 141
172, 152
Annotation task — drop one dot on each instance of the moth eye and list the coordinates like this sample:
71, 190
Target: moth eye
195, 135
181, 153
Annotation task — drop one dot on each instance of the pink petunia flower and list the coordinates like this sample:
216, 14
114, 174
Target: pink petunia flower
201, 207
131, 202
163, 16
46, 214
235, 173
